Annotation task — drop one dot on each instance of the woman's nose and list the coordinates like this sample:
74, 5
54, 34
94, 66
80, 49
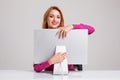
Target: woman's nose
54, 19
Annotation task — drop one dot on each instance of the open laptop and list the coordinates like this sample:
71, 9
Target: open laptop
76, 42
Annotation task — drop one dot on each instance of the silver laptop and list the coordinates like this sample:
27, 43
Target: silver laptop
76, 43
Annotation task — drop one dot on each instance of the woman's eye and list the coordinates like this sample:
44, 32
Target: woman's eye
58, 17
51, 16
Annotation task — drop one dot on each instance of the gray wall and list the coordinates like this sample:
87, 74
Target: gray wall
18, 19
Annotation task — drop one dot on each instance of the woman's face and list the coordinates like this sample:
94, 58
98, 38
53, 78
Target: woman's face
54, 19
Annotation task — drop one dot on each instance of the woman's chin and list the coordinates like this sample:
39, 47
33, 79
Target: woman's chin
54, 27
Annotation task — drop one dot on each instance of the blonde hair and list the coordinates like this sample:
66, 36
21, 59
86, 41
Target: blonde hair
44, 24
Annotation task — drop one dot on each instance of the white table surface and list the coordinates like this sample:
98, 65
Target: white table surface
81, 75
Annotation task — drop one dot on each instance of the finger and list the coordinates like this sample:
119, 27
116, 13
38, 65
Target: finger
64, 54
60, 34
57, 34
58, 31
64, 34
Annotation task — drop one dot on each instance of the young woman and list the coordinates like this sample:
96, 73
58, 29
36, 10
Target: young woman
53, 19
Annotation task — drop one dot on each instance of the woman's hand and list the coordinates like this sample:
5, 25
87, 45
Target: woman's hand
57, 58
62, 32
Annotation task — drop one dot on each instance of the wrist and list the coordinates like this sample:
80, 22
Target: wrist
70, 26
50, 62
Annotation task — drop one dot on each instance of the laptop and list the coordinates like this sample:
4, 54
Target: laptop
76, 43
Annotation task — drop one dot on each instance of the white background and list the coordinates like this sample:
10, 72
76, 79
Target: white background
18, 19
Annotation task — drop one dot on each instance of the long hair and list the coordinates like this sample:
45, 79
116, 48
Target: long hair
44, 24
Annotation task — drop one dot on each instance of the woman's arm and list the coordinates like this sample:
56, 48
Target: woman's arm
41, 66
56, 58
84, 26
62, 32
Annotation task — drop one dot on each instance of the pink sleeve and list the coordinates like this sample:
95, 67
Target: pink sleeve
84, 26
41, 66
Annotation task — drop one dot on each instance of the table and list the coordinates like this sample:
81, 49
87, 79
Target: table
73, 75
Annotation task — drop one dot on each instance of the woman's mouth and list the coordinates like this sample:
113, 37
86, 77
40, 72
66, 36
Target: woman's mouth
54, 23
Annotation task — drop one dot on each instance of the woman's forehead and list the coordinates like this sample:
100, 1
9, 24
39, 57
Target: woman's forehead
55, 12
